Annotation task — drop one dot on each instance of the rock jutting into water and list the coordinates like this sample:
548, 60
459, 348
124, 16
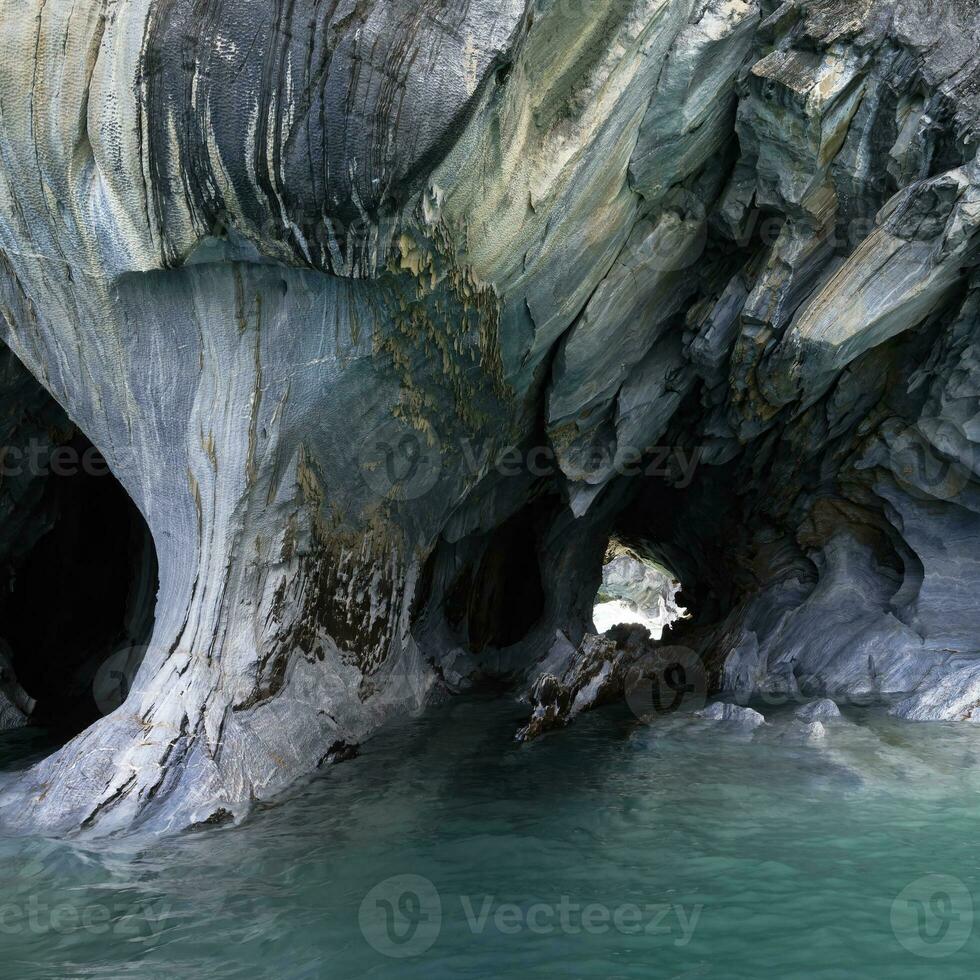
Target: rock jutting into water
745, 719
306, 273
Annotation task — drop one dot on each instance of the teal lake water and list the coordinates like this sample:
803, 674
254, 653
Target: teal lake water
609, 850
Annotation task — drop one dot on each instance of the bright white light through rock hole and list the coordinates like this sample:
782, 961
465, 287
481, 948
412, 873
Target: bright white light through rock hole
637, 592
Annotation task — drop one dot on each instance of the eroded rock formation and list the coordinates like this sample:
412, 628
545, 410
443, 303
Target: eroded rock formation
302, 271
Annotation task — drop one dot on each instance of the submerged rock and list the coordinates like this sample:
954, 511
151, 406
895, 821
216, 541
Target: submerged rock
808, 732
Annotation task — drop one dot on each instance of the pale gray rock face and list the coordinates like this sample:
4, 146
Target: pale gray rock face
955, 698
302, 274
161, 280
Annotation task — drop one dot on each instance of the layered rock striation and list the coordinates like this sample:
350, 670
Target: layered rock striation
307, 274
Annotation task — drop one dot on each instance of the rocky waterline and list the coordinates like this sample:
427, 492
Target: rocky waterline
388, 317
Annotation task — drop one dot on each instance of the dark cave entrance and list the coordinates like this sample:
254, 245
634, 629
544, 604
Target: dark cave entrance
504, 598
482, 596
696, 533
82, 595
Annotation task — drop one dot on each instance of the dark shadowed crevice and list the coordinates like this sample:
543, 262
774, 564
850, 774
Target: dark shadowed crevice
506, 597
485, 593
84, 591
694, 532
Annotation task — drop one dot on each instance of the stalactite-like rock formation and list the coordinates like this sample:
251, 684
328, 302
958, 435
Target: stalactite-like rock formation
303, 271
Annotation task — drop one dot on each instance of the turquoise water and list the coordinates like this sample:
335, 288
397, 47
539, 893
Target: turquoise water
609, 850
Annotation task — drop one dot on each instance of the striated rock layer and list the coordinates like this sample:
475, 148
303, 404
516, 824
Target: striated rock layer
304, 273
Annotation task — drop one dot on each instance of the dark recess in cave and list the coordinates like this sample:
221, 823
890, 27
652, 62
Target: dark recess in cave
505, 597
86, 590
693, 531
